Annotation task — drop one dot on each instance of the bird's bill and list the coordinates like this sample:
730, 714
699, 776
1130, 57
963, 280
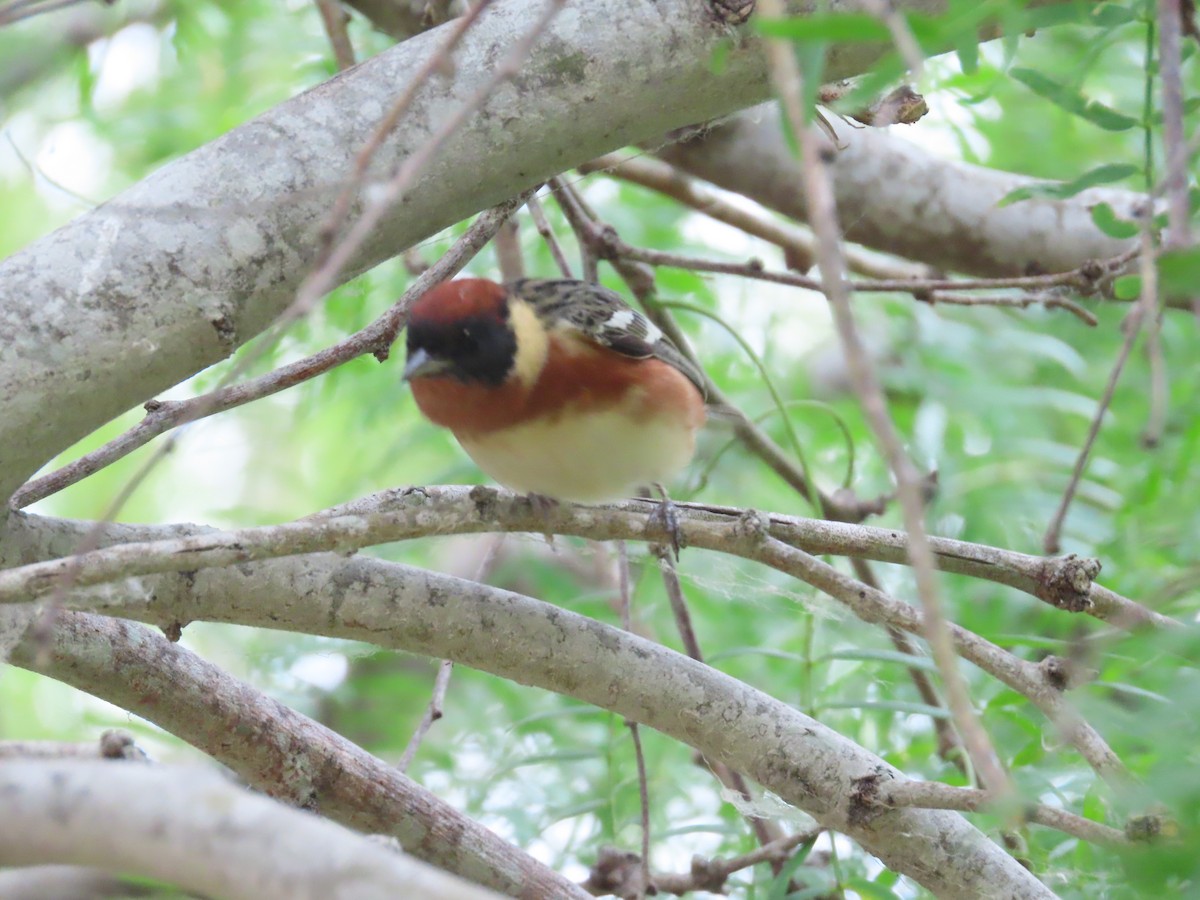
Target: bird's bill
420, 363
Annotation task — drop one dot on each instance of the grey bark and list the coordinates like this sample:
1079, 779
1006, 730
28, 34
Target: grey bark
896, 197
534, 643
181, 269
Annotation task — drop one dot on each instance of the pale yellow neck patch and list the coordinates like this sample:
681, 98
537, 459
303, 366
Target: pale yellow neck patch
533, 342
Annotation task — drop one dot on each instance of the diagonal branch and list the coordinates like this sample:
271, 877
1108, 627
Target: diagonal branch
455, 510
194, 828
535, 643
183, 268
280, 752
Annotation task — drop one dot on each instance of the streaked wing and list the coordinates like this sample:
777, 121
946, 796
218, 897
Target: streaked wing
602, 316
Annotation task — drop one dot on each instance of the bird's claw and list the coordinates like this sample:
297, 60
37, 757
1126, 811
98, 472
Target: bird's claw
667, 516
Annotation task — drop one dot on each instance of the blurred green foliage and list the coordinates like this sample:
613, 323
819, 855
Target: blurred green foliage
997, 401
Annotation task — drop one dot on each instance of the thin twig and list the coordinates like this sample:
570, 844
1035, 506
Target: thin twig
766, 831
507, 244
322, 279
1086, 279
432, 713
334, 18
440, 60
623, 580
1019, 301
902, 37
612, 872
1175, 182
1146, 306
543, 226
582, 222
679, 607
950, 746
1156, 418
818, 190
933, 795
376, 338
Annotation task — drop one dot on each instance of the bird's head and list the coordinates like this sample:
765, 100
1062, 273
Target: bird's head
473, 331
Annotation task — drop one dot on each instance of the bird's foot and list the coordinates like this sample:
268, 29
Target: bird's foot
543, 508
667, 515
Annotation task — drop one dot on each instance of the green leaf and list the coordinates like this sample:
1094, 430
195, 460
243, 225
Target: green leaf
893, 656
869, 889
1110, 15
753, 651
1073, 101
1111, 224
826, 27
1179, 272
968, 57
779, 884
899, 706
1127, 287
1055, 190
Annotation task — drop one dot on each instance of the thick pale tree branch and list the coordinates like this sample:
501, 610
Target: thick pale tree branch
34, 49
896, 197
181, 269
537, 644
278, 750
76, 882
194, 828
405, 513
433, 511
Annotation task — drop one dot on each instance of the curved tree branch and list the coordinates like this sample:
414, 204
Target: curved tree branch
193, 828
535, 643
278, 750
181, 269
405, 513
896, 197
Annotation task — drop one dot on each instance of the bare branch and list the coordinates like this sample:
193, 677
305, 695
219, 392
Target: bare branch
1146, 307
538, 644
932, 795
334, 18
432, 713
428, 511
822, 206
283, 753
898, 198
194, 828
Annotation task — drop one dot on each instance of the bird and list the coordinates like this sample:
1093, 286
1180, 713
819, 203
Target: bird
556, 388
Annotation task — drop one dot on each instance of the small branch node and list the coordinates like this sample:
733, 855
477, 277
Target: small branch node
1064, 674
753, 525
866, 799
1066, 582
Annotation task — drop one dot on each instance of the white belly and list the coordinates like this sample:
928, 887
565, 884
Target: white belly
587, 459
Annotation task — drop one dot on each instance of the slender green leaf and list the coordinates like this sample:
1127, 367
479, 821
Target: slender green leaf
825, 27
870, 890
1127, 287
891, 656
899, 706
1060, 190
1073, 101
1106, 219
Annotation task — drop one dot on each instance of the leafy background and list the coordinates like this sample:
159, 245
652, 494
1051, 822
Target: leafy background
997, 401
